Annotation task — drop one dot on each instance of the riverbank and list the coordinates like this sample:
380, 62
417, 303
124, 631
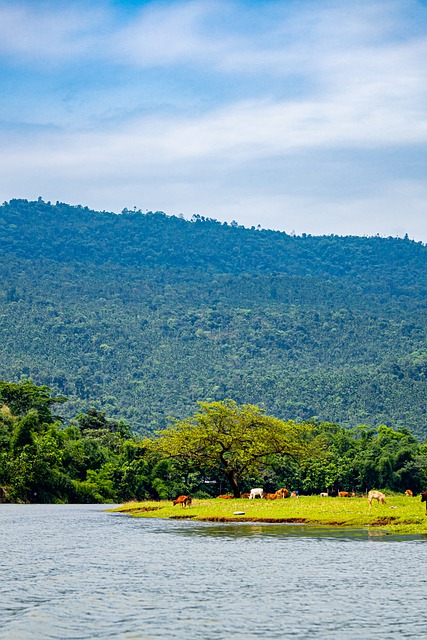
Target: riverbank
400, 514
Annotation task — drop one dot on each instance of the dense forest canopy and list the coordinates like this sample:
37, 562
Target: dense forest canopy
143, 314
92, 458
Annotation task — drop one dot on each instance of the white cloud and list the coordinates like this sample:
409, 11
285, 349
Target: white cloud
167, 34
33, 33
311, 78
220, 191
251, 130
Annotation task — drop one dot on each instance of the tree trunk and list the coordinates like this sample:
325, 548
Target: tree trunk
233, 479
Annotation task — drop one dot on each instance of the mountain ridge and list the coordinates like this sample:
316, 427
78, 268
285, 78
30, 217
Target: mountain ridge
143, 314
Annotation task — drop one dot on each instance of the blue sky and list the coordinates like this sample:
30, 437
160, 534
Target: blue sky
306, 116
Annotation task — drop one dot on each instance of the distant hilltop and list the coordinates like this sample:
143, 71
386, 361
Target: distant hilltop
143, 314
133, 237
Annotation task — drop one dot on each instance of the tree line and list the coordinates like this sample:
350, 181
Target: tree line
222, 447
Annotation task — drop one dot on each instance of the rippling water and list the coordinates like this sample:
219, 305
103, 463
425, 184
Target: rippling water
74, 571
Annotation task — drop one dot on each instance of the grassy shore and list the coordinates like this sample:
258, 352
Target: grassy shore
400, 514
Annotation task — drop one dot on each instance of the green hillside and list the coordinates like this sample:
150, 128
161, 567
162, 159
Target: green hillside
141, 315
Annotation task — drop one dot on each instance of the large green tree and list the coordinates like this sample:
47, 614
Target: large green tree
20, 397
235, 440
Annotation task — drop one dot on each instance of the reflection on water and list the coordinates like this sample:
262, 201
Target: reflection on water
76, 572
284, 530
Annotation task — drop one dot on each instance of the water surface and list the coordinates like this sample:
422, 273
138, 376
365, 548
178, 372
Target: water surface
75, 571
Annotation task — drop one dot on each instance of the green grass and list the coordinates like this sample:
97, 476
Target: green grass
400, 514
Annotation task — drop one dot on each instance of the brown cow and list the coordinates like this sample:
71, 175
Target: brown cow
376, 495
226, 496
184, 501
270, 496
245, 495
282, 493
424, 498
409, 493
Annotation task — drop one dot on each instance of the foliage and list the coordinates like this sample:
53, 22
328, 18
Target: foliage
234, 440
142, 315
223, 446
22, 397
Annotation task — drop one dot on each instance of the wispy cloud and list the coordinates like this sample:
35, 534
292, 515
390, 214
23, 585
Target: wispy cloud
215, 105
169, 34
49, 33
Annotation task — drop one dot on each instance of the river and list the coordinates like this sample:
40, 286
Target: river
77, 572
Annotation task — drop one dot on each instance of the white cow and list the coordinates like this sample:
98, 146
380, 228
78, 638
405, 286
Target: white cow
256, 493
376, 495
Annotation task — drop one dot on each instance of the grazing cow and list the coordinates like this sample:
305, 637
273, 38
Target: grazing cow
294, 494
256, 493
409, 493
343, 494
376, 495
245, 495
184, 501
282, 493
424, 498
324, 495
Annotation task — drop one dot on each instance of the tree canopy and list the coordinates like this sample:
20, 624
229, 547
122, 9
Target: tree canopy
23, 396
101, 307
235, 440
92, 458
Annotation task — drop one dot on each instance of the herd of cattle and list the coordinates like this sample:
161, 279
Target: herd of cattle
258, 492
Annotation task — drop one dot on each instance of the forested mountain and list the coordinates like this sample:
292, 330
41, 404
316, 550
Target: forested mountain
143, 314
